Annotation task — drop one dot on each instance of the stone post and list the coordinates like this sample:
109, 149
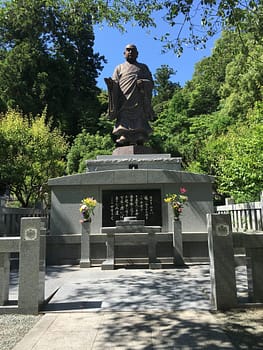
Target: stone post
222, 264
255, 278
30, 292
229, 201
4, 277
85, 245
178, 244
42, 259
154, 263
108, 264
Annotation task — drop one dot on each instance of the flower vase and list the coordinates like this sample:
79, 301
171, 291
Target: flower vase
86, 218
176, 214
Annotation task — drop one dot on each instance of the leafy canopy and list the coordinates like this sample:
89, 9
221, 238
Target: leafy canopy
239, 158
30, 153
215, 121
47, 60
87, 146
190, 22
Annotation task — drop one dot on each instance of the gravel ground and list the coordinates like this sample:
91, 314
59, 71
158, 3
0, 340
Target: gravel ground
13, 328
244, 328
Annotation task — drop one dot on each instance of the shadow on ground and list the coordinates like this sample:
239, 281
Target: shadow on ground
129, 290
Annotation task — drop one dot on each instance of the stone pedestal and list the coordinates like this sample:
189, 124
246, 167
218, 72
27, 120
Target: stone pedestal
133, 149
178, 244
108, 264
85, 244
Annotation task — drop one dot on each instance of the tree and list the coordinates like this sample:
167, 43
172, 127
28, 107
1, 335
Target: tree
163, 87
243, 83
47, 60
191, 22
238, 158
87, 146
172, 125
30, 153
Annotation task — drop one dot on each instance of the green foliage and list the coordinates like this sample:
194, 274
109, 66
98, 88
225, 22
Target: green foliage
171, 126
163, 86
240, 159
87, 146
215, 121
243, 82
30, 153
47, 60
190, 23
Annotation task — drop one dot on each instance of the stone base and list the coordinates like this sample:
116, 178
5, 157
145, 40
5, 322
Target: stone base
85, 263
108, 264
155, 265
179, 262
134, 149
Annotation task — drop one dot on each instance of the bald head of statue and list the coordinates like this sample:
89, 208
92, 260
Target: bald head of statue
131, 53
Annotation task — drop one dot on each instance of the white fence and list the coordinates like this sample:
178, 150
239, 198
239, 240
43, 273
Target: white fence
244, 216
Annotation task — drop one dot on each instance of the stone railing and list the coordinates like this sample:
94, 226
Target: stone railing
222, 244
10, 219
31, 246
244, 216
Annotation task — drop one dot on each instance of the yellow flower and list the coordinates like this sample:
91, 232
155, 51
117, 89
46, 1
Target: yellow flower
87, 207
176, 201
167, 200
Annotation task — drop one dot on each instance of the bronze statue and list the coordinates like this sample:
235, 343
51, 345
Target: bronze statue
130, 93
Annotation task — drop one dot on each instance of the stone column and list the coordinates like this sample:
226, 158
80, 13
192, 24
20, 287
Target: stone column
42, 259
178, 244
30, 289
4, 277
154, 263
255, 278
222, 263
108, 264
85, 245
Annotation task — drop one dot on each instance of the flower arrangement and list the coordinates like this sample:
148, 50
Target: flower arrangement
177, 202
87, 208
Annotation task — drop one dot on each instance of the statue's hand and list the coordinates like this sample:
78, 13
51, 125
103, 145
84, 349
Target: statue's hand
140, 85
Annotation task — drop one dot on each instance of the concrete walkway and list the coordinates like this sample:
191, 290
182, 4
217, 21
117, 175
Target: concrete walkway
127, 309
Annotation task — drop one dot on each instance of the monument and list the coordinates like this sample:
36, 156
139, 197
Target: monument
131, 183
130, 94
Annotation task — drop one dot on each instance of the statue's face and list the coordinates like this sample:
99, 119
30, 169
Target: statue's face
131, 53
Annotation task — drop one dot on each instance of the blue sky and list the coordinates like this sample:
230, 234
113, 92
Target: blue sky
111, 43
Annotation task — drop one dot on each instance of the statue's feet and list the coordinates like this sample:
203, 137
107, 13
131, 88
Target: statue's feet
122, 141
